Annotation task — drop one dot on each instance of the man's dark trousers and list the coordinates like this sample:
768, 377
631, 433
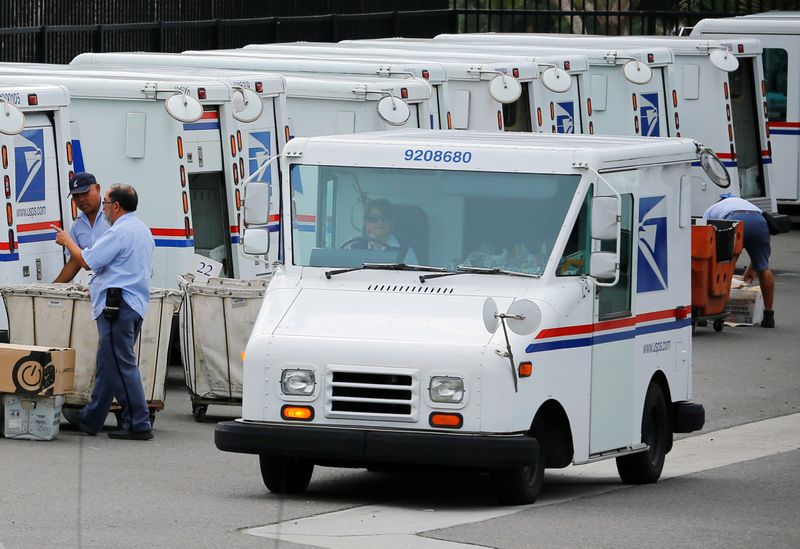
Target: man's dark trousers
117, 374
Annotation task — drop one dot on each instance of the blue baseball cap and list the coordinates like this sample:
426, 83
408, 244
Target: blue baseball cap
81, 182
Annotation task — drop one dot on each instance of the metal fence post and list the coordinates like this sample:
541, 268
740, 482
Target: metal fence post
99, 39
43, 57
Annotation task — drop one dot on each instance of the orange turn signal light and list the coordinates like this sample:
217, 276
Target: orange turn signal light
449, 421
297, 413
525, 369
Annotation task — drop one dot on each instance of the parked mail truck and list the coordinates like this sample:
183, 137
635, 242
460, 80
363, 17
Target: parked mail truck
547, 319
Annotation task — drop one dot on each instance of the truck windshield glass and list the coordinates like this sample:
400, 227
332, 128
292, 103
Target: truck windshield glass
348, 216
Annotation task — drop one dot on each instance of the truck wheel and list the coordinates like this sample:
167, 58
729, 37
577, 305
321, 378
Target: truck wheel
285, 475
519, 485
719, 324
645, 467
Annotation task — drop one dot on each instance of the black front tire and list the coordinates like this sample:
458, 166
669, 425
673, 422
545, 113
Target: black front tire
286, 475
646, 467
719, 324
519, 485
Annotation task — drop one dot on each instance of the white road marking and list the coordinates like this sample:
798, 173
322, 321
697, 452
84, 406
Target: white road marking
397, 526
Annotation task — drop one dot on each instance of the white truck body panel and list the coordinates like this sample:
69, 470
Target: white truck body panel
232, 60
779, 34
471, 105
35, 172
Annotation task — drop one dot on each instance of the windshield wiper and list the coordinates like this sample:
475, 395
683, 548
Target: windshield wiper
463, 269
386, 266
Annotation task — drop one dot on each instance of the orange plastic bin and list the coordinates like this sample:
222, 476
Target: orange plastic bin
715, 249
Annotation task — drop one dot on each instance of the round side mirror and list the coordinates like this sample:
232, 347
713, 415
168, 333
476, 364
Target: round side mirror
504, 89
12, 121
637, 72
490, 320
393, 111
724, 60
530, 317
715, 169
184, 108
556, 80
247, 105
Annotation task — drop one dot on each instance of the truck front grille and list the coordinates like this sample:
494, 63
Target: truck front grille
372, 393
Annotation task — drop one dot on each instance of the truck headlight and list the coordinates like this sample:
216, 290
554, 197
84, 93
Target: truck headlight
298, 382
446, 389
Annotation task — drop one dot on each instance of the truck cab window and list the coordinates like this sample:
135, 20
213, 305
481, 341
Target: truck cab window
615, 301
573, 260
776, 76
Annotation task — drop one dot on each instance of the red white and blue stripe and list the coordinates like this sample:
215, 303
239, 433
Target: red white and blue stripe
784, 128
585, 335
172, 238
37, 232
209, 121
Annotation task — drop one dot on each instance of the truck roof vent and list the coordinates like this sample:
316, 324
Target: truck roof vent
416, 289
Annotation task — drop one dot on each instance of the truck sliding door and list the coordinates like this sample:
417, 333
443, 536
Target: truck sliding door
210, 219
747, 135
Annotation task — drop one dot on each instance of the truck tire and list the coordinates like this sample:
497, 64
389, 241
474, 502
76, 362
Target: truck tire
285, 475
645, 467
520, 485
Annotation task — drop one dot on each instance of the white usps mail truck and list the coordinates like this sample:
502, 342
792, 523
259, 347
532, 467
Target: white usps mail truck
478, 92
37, 158
545, 320
723, 108
237, 60
185, 143
555, 106
779, 34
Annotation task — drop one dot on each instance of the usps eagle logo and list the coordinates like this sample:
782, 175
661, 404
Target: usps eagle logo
565, 117
648, 113
258, 152
29, 165
652, 236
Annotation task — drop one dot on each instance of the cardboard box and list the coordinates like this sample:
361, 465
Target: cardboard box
31, 417
745, 306
32, 370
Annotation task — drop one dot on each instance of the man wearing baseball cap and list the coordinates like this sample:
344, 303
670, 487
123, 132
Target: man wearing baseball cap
89, 225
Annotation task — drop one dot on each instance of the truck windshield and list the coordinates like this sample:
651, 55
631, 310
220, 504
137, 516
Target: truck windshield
348, 216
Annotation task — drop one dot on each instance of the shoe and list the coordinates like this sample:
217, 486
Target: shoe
73, 417
131, 435
769, 319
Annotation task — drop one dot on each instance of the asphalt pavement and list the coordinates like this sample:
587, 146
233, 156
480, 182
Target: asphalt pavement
179, 491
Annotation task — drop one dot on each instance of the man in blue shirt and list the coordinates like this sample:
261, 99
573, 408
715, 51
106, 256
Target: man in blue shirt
121, 259
89, 225
756, 242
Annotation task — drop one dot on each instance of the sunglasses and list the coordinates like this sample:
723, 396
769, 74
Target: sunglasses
375, 218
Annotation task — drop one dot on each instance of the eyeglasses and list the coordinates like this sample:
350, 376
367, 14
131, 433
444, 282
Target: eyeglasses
107, 202
375, 218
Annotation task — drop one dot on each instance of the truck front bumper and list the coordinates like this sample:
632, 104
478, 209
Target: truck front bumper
365, 446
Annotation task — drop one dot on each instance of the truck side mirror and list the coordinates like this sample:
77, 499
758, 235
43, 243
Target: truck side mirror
256, 204
605, 226
603, 265
255, 241
605, 222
